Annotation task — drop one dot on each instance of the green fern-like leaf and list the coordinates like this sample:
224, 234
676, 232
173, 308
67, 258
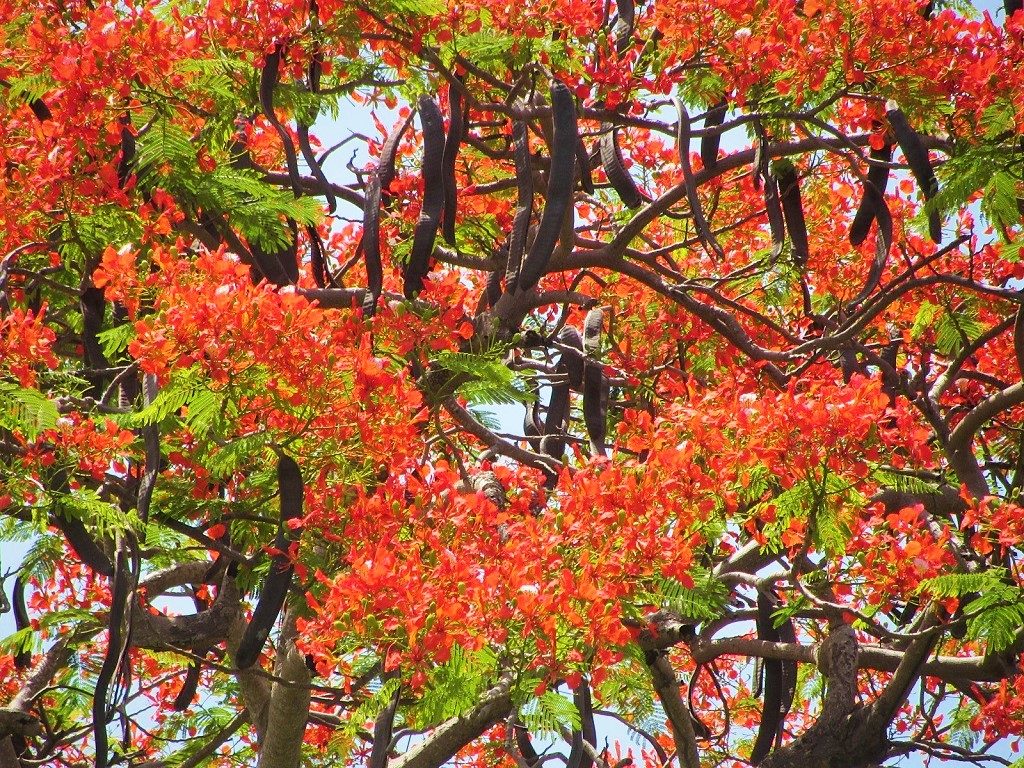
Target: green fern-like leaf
549, 714
27, 411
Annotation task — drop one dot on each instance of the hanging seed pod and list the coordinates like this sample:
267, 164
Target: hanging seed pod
433, 197
874, 194
593, 327
583, 166
23, 658
379, 180
793, 211
711, 140
456, 135
579, 757
615, 169
189, 686
269, 77
623, 27
279, 578
773, 710
127, 154
570, 338
524, 204
595, 405
707, 237
559, 199
920, 166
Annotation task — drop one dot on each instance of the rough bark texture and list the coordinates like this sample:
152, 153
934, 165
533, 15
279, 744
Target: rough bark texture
449, 737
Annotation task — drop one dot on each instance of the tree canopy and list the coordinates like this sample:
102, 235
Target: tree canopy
750, 268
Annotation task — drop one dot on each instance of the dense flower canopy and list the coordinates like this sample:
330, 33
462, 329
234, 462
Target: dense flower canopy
750, 268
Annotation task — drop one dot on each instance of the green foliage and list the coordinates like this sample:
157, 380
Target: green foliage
703, 602
167, 157
344, 737
904, 483
27, 411
485, 380
549, 714
455, 686
994, 608
116, 340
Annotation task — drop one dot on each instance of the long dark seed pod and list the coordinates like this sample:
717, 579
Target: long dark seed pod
1010, 7
279, 578
23, 658
85, 547
771, 712
553, 442
787, 634
874, 193
93, 306
776, 221
532, 428
189, 686
302, 128
917, 158
712, 140
525, 746
583, 166
571, 354
883, 242
1018, 338
615, 169
579, 757
492, 291
382, 730
279, 267
433, 197
376, 185
707, 237
119, 593
456, 135
793, 211
389, 152
127, 156
559, 200
623, 27
316, 257
269, 76
524, 204
595, 405
593, 327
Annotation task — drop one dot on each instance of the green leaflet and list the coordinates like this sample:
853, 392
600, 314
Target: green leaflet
455, 686
116, 340
484, 379
704, 601
24, 410
549, 714
995, 611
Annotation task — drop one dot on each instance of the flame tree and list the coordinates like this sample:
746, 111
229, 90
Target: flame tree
750, 269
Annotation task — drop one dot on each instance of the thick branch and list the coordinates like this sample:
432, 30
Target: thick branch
452, 735
289, 706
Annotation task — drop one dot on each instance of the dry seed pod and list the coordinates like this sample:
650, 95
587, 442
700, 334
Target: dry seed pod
579, 757
615, 169
711, 141
378, 182
524, 204
559, 199
456, 135
279, 578
793, 211
874, 194
920, 166
570, 338
433, 197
